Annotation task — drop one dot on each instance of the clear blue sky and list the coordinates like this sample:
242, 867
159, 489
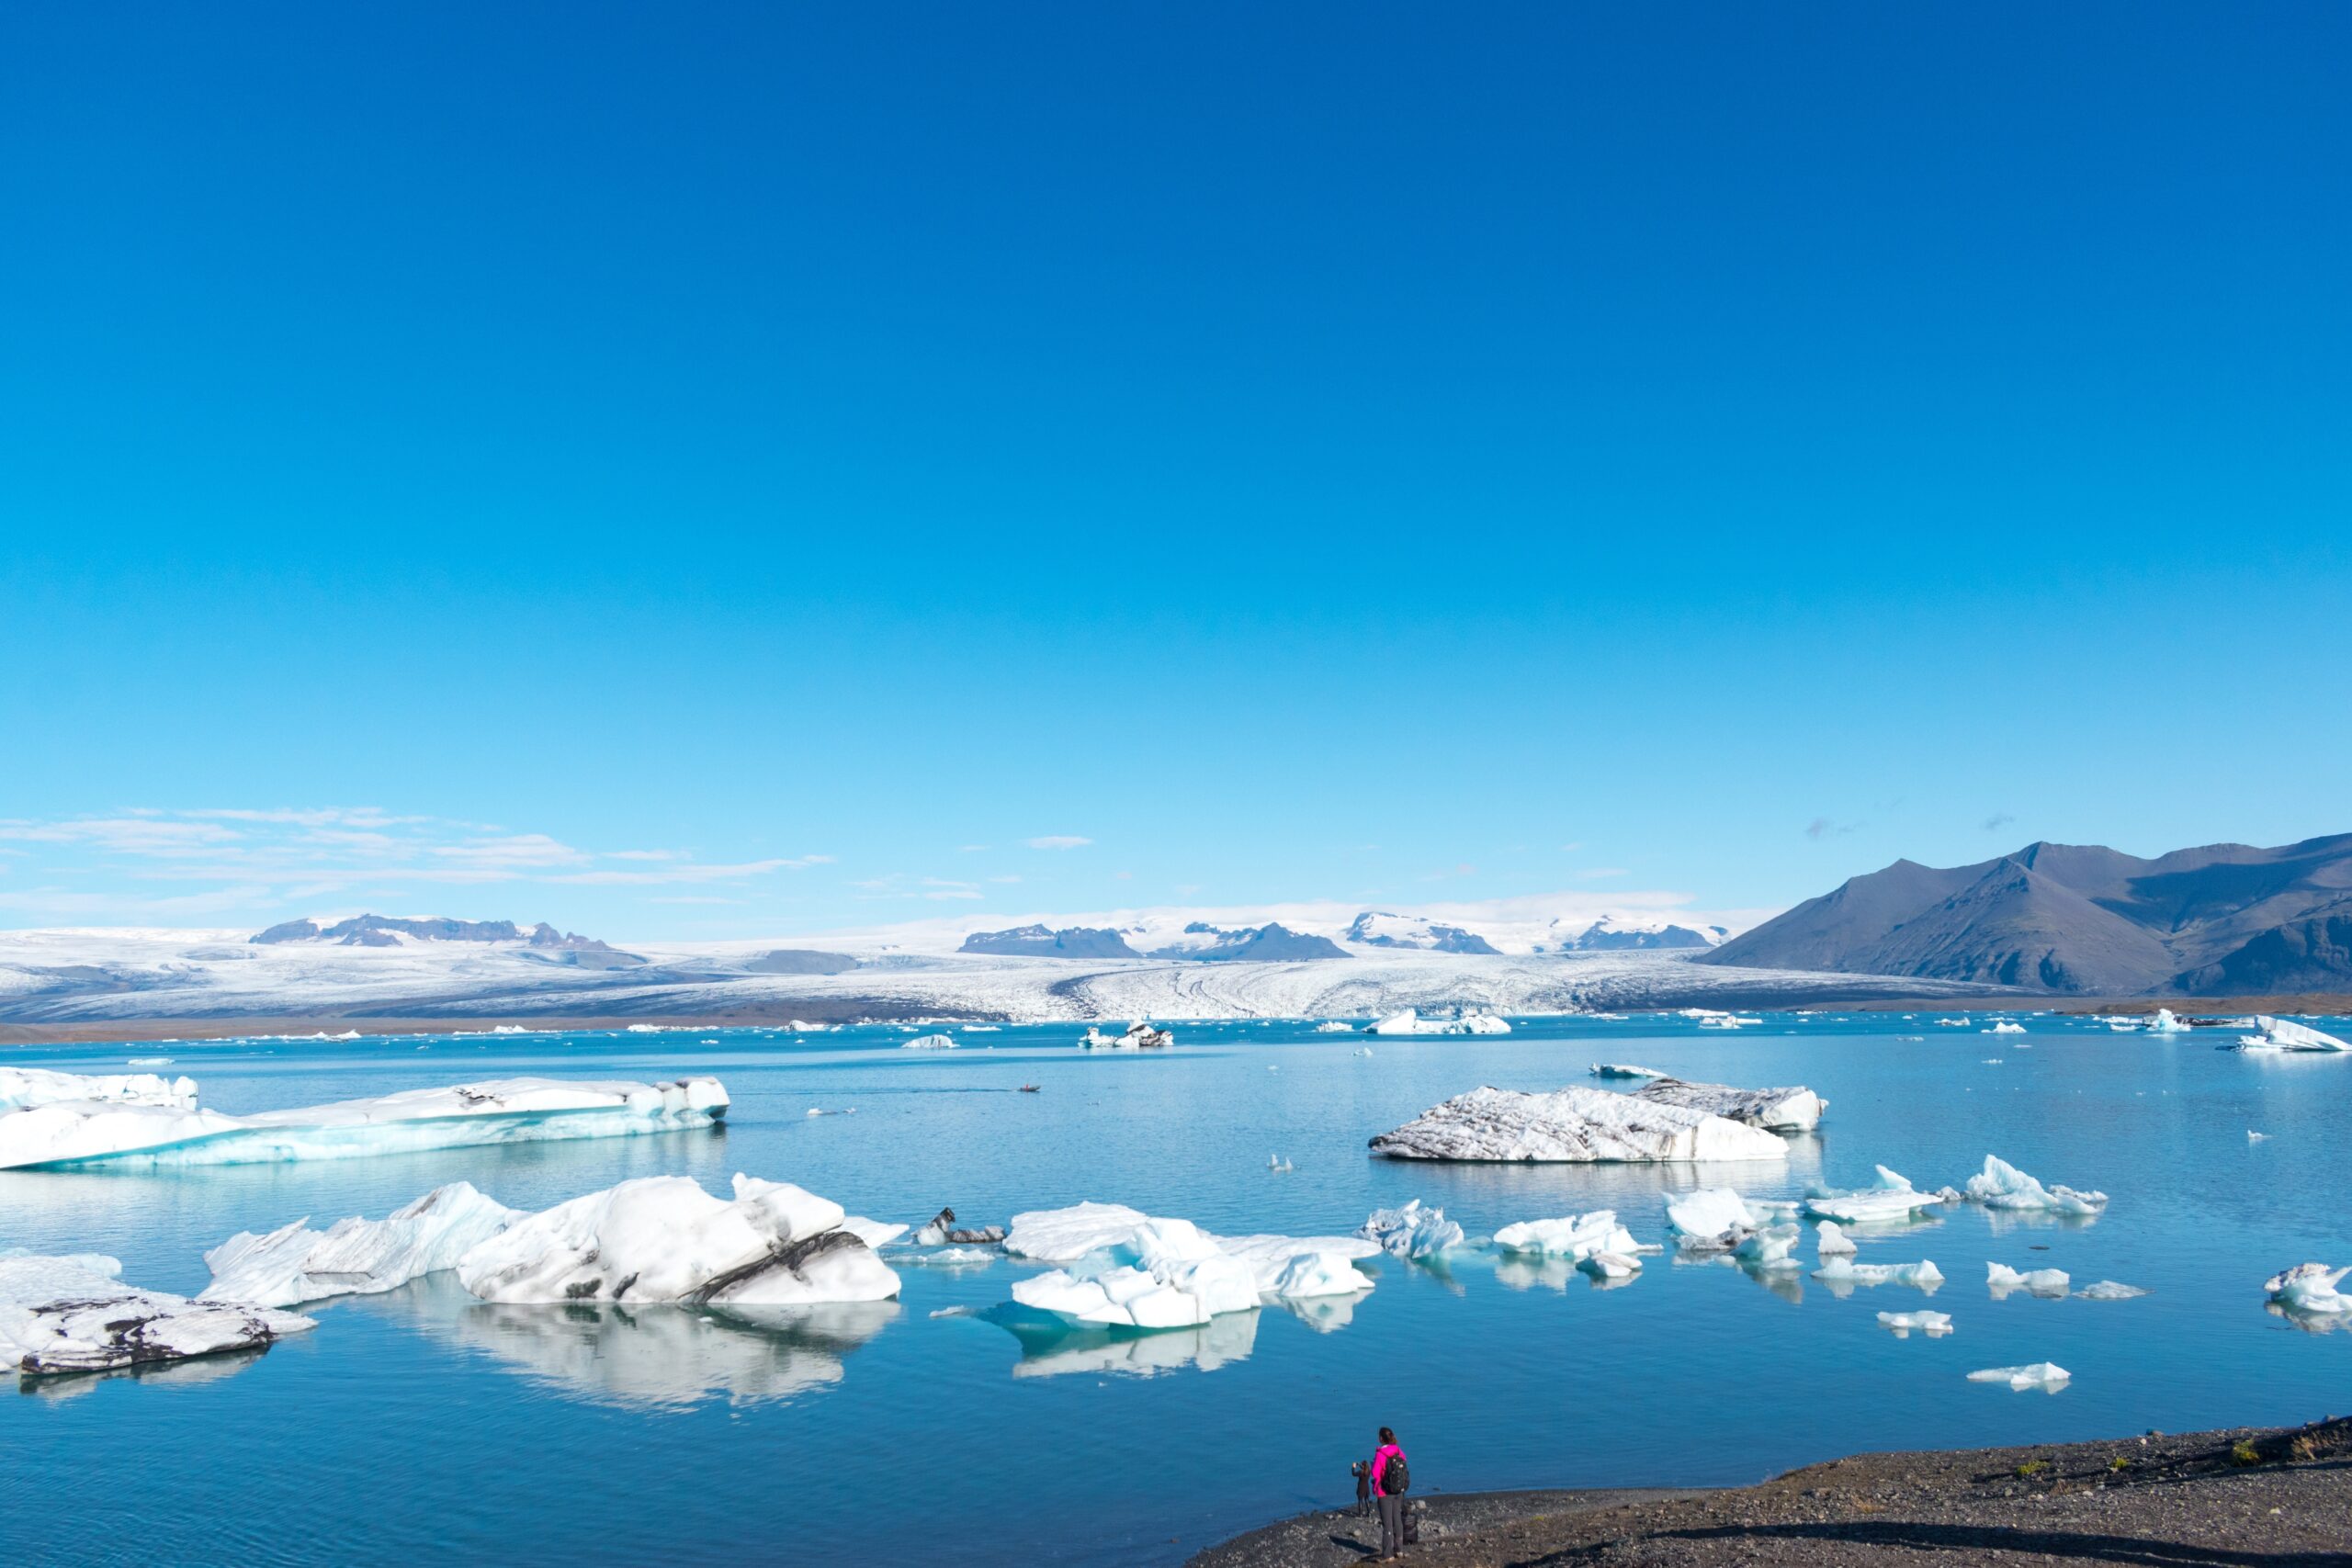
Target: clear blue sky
1746, 443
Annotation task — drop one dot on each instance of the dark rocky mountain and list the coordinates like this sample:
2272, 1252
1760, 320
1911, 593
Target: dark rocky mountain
1038, 941
386, 930
1377, 928
1271, 943
2225, 920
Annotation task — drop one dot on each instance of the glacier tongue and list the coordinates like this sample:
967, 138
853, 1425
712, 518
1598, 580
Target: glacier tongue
148, 1133
61, 1314
1574, 1124
355, 1256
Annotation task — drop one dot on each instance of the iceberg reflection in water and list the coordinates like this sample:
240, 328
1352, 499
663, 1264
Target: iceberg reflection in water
1051, 1346
652, 1357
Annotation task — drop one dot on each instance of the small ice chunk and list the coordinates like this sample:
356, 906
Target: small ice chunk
1773, 1247
1904, 1322
2309, 1288
2005, 1027
1839, 1274
2165, 1022
2003, 1186
1610, 1264
1412, 1231
1625, 1070
1707, 1213
2109, 1291
1573, 1236
61, 1314
929, 1043
1831, 1241
2001, 1279
2040, 1374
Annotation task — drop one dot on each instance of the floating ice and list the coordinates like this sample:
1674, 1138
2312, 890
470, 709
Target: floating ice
1891, 1200
2041, 1375
1902, 1323
2164, 1022
1794, 1110
69, 1314
2000, 1279
1140, 1036
1610, 1264
1572, 1124
1771, 1248
1065, 1236
1622, 1070
1573, 1236
2309, 1286
872, 1233
1709, 1213
2109, 1291
1335, 1026
1837, 1273
948, 1257
1830, 1241
925, 1042
355, 1256
2003, 1186
1135, 1271
2285, 1034
2004, 1027
2254, 1137
1410, 1022
21, 1088
662, 1238
1412, 1231
131, 1132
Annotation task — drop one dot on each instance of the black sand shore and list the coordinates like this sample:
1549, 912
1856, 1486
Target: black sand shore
2247, 1498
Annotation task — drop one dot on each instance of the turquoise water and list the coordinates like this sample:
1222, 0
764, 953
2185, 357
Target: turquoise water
424, 1425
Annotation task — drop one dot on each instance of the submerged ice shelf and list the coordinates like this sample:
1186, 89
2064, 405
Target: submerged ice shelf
167, 1128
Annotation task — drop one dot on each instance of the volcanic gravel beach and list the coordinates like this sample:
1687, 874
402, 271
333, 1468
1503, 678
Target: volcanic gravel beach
2247, 1499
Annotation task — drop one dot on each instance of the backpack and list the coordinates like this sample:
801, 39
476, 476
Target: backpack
1395, 1480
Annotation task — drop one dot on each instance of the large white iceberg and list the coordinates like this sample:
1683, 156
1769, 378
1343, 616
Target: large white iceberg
1573, 1124
662, 1238
1065, 1236
2041, 1375
2001, 1185
72, 1314
2002, 1279
1127, 1270
2285, 1034
1140, 1036
2167, 1022
1413, 1231
355, 1256
2309, 1288
1410, 1022
1792, 1110
133, 1133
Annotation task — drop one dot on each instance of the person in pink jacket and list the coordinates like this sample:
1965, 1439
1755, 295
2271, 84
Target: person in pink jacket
1388, 1490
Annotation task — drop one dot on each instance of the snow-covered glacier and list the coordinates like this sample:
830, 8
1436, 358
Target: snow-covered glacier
1573, 1124
174, 1131
75, 1314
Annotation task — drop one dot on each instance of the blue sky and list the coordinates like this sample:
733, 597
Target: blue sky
707, 471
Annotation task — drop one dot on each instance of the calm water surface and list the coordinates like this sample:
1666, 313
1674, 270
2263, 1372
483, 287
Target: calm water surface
422, 1425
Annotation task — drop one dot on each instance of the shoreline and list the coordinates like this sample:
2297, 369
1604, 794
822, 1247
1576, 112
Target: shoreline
2277, 1497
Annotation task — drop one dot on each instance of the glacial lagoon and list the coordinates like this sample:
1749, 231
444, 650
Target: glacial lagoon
423, 1424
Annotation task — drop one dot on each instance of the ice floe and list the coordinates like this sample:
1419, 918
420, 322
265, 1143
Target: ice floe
22, 1088
134, 1132
73, 1315
355, 1256
1625, 1071
2040, 1374
1573, 1124
1830, 1240
1892, 1199
1140, 1036
1839, 1274
662, 1238
2285, 1034
1905, 1323
2309, 1288
929, 1043
1413, 1231
1128, 1270
2167, 1022
2109, 1291
2001, 1185
1573, 1236
2005, 1027
1792, 1110
1410, 1022
1713, 1213
2002, 1279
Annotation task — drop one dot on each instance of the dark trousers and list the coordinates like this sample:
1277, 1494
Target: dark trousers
1392, 1526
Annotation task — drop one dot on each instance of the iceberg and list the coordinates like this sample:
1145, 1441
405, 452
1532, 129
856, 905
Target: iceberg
940, 1230
1623, 1070
1140, 1036
1830, 1241
1892, 1199
2306, 1287
2004, 1027
1610, 1264
1410, 1022
1712, 1214
133, 1133
355, 1256
662, 1238
1065, 1236
1573, 1236
2284, 1034
73, 1315
1134, 1271
1412, 1231
1840, 1275
2109, 1291
874, 1234
1771, 1248
1573, 1125
22, 1088
2040, 1374
1902, 1323
2165, 1022
927, 1042
1794, 1110
2001, 1185
2002, 1279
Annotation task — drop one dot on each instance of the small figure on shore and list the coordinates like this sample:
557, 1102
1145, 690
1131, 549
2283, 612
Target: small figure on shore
1362, 1471
1391, 1478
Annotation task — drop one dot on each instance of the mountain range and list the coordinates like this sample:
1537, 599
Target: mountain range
2224, 919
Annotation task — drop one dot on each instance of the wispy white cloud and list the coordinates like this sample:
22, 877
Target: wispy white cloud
126, 835
1599, 872
1059, 841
